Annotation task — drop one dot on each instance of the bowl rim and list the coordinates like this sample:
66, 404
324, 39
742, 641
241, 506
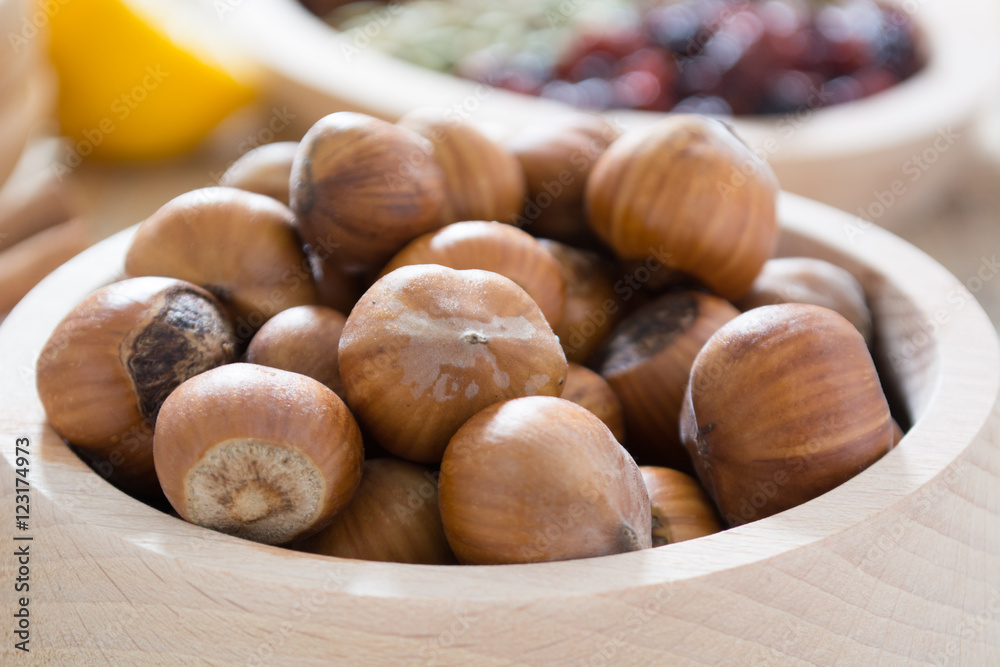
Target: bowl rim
962, 354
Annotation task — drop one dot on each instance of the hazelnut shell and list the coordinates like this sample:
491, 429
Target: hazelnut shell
589, 390
784, 404
257, 452
392, 517
427, 347
687, 189
302, 340
647, 359
112, 361
240, 246
815, 281
497, 247
482, 180
681, 508
362, 188
540, 479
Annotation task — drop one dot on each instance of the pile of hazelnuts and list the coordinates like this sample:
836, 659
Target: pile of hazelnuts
418, 342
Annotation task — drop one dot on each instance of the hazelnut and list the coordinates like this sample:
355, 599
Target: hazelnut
540, 479
815, 281
497, 247
427, 347
265, 170
687, 189
681, 508
302, 340
592, 306
647, 360
784, 404
557, 159
240, 246
589, 390
110, 363
482, 181
257, 452
362, 188
392, 517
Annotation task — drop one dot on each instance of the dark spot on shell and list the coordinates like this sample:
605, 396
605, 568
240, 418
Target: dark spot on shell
187, 337
652, 328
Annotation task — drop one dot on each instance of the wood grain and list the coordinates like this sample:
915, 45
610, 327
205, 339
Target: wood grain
901, 565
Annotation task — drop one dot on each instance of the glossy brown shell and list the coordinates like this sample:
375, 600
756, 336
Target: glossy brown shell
427, 347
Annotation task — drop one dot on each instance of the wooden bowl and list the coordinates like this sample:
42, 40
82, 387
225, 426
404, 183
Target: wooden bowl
899, 565
844, 156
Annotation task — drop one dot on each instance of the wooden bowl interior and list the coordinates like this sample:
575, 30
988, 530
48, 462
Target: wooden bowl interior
903, 295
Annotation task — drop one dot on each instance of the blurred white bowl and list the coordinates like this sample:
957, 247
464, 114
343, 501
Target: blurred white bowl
883, 157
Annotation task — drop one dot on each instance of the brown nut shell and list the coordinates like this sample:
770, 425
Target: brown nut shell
592, 306
589, 390
784, 404
109, 365
557, 159
392, 517
681, 508
687, 190
240, 246
302, 340
492, 246
257, 452
482, 180
427, 347
815, 281
540, 479
265, 170
647, 360
362, 188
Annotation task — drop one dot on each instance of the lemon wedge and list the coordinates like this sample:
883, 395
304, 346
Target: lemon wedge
129, 89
